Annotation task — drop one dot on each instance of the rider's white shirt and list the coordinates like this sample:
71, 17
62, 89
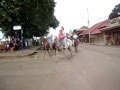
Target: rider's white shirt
75, 36
45, 37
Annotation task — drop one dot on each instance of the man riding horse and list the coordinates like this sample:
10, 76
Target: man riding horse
75, 40
61, 43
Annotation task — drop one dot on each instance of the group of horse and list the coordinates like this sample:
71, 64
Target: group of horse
58, 46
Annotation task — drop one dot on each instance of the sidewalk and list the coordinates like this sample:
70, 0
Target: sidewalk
19, 53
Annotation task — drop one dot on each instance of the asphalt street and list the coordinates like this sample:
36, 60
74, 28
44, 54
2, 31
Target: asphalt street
92, 68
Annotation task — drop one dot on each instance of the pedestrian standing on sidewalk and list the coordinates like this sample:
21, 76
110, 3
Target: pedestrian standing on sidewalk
6, 44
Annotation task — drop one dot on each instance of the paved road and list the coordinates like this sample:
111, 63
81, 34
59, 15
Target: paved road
93, 68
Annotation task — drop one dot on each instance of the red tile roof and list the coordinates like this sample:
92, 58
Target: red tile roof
95, 29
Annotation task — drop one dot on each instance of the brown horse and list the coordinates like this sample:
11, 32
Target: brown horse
75, 43
45, 46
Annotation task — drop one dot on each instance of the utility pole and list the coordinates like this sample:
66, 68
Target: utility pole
22, 39
88, 24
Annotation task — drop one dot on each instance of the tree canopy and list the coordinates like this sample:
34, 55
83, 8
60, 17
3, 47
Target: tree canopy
35, 16
115, 12
84, 27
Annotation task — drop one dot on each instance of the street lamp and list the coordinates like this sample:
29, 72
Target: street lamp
88, 24
18, 27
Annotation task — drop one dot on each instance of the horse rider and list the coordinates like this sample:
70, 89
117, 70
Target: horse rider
75, 35
49, 38
62, 37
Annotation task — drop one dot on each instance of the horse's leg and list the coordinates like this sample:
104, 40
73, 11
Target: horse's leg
49, 52
44, 54
56, 54
64, 50
69, 49
75, 48
75, 45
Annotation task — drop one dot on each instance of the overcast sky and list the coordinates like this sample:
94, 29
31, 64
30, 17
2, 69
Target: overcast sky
73, 14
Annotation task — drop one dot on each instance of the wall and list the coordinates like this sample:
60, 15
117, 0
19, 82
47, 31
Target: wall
98, 39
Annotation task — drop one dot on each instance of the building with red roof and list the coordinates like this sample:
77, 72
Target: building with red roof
112, 32
106, 32
95, 32
96, 29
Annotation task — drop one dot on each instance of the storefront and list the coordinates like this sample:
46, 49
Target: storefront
112, 36
112, 32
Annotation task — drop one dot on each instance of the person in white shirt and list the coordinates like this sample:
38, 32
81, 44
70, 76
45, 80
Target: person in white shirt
75, 36
75, 41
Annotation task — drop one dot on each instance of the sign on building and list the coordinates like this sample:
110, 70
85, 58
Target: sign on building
114, 22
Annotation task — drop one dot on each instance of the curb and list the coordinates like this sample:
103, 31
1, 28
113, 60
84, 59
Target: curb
26, 55
17, 56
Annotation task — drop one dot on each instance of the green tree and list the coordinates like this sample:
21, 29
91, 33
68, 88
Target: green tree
35, 16
115, 12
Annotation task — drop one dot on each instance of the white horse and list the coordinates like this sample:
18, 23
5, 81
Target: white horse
60, 46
